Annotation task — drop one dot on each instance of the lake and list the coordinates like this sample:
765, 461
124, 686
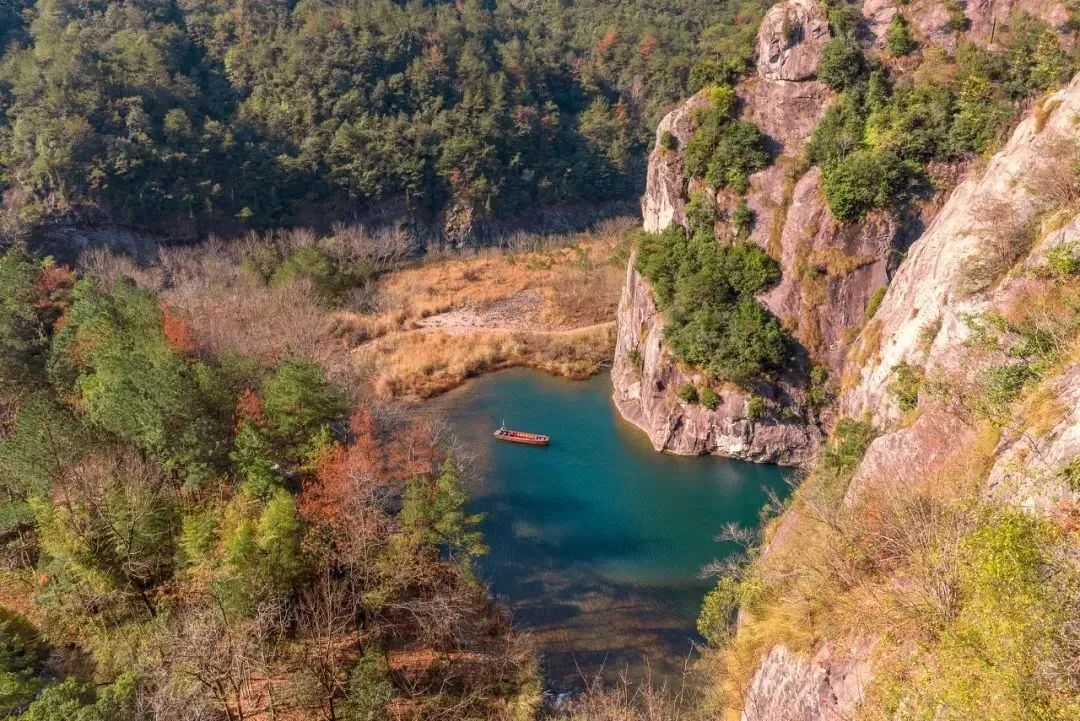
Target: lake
597, 541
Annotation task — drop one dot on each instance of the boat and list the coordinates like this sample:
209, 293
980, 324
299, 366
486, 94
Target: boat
530, 439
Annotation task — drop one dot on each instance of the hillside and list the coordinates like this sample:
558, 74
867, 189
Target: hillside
860, 258
460, 119
918, 204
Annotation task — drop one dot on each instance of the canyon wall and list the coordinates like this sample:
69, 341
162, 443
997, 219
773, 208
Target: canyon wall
931, 291
830, 270
924, 257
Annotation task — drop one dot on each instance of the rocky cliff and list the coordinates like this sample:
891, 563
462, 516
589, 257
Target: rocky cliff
931, 263
926, 321
830, 269
647, 379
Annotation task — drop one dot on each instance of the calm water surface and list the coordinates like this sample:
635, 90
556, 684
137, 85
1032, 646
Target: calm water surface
596, 541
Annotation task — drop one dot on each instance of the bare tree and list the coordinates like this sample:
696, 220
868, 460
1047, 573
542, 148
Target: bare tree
326, 618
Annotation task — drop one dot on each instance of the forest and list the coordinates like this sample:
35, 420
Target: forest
182, 116
205, 513
196, 524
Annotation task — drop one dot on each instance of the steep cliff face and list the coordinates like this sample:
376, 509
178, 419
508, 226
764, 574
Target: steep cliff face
646, 381
930, 20
665, 195
925, 320
929, 263
830, 269
791, 688
785, 100
932, 289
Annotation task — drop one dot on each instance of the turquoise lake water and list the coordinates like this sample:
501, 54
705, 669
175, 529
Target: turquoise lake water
597, 541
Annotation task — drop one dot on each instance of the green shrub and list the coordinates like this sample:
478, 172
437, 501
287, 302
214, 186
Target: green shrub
868, 179
981, 116
755, 408
739, 342
1064, 259
20, 658
370, 690
1002, 651
725, 51
844, 18
907, 379
839, 132
875, 302
898, 38
299, 401
635, 357
819, 393
1003, 384
689, 393
708, 398
725, 152
716, 621
847, 444
928, 333
958, 21
742, 219
706, 290
1071, 475
701, 213
330, 279
842, 64
668, 141
1036, 60
913, 122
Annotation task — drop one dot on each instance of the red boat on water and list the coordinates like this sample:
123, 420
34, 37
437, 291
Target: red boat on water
529, 439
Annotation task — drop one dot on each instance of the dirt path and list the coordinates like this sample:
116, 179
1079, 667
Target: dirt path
466, 329
518, 313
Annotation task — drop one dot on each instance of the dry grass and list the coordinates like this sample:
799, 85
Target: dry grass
426, 329
422, 364
874, 565
547, 302
867, 347
577, 277
231, 310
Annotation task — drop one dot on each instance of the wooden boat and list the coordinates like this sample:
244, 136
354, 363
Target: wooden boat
529, 439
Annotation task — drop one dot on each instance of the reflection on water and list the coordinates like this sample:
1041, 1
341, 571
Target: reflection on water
597, 541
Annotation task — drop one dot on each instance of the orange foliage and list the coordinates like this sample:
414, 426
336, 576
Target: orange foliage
344, 476
414, 450
249, 407
53, 285
179, 333
648, 46
609, 41
1067, 515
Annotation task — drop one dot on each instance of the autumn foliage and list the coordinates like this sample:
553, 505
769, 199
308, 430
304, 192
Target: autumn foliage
179, 333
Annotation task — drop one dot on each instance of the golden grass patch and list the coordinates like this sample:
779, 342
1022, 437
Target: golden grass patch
425, 363
551, 306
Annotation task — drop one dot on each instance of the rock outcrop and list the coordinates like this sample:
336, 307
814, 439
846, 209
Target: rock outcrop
930, 20
647, 380
791, 688
790, 40
931, 290
830, 270
665, 195
922, 317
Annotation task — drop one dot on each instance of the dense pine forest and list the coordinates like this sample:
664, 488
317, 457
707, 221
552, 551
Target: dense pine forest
180, 116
